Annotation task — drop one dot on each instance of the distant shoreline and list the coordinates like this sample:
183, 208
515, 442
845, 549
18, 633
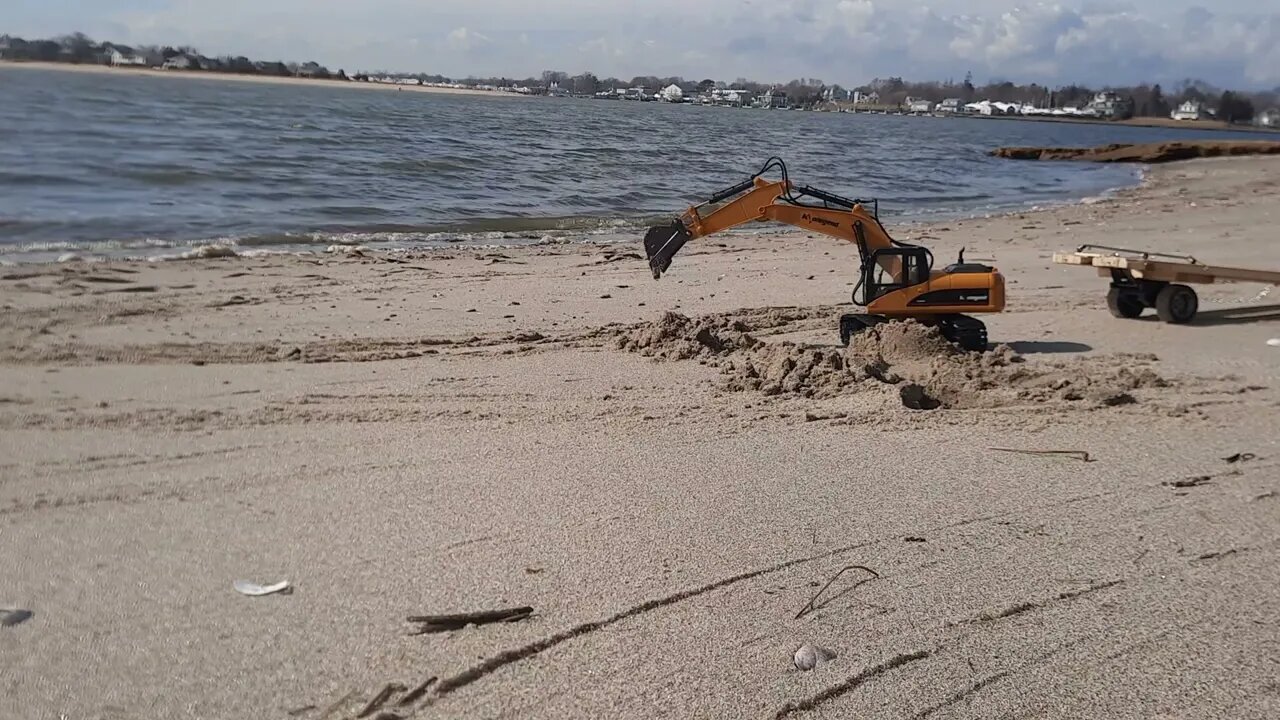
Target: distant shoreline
1141, 122
232, 77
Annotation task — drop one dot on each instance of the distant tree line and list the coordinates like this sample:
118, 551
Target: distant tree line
1143, 100
78, 49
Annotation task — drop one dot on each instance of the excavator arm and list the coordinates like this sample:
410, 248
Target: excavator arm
760, 200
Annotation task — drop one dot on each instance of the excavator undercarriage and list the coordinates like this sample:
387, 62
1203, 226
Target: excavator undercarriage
896, 279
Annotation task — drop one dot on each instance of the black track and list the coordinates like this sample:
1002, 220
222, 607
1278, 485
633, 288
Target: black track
969, 333
851, 324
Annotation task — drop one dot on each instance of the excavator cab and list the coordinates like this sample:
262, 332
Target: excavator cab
914, 266
896, 279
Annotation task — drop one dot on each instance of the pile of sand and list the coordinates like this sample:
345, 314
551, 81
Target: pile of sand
676, 337
928, 371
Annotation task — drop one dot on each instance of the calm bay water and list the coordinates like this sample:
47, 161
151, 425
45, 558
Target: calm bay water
136, 166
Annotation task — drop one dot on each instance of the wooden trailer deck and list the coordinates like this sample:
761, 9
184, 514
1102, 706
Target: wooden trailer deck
1143, 279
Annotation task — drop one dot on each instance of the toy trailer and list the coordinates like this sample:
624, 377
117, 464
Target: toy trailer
1139, 280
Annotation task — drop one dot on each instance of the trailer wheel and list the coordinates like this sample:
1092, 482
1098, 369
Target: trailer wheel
1177, 304
1124, 303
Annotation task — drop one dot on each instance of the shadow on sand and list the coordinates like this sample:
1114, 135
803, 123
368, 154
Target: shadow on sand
1045, 347
1238, 316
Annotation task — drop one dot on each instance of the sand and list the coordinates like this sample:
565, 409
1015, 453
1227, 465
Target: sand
927, 371
1147, 153
232, 77
667, 472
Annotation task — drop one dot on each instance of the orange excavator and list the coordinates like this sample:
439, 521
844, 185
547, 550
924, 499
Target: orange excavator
896, 279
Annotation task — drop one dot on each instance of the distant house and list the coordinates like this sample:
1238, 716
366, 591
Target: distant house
215, 64
1110, 105
732, 97
122, 56
1189, 110
672, 94
774, 99
861, 98
951, 105
919, 106
835, 93
1268, 118
312, 70
181, 62
120, 59
277, 68
987, 107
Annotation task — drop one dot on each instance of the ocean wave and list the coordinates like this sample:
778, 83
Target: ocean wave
22, 178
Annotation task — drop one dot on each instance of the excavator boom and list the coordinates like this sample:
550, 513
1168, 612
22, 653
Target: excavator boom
896, 279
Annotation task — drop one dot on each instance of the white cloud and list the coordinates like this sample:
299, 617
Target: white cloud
856, 14
465, 40
1227, 42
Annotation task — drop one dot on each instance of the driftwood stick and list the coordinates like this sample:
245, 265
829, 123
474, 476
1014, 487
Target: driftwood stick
457, 621
809, 605
1082, 455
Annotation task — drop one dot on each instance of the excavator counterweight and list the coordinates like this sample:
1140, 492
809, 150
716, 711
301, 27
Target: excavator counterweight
896, 280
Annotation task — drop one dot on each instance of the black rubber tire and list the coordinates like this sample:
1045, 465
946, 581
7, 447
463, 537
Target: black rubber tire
1177, 304
1124, 303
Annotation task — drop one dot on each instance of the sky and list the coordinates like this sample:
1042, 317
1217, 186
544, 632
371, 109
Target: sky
1230, 43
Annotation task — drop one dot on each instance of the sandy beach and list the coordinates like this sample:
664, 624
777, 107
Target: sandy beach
462, 430
232, 77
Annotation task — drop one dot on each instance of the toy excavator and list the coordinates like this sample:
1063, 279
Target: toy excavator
896, 279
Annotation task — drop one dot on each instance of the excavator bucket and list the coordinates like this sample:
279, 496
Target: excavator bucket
661, 243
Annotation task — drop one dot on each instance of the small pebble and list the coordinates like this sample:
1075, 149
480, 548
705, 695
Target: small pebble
808, 656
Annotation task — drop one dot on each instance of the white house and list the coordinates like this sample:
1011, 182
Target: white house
919, 105
732, 97
774, 99
1109, 105
950, 105
119, 59
1268, 118
181, 62
835, 93
1189, 110
672, 93
861, 98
